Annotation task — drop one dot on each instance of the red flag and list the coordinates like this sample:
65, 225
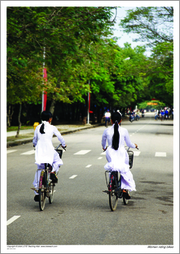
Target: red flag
89, 104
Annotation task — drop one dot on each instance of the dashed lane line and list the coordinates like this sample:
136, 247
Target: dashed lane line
72, 177
88, 166
138, 130
29, 152
82, 152
15, 217
11, 151
160, 154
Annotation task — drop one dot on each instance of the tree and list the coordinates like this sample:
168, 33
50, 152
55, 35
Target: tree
155, 104
152, 24
65, 33
159, 73
128, 75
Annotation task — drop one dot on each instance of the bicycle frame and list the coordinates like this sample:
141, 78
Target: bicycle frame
109, 175
46, 171
46, 185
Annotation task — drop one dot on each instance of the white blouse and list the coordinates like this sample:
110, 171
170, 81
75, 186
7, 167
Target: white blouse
124, 137
118, 160
43, 143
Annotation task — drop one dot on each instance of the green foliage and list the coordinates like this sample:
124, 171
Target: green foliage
65, 33
152, 24
160, 72
151, 105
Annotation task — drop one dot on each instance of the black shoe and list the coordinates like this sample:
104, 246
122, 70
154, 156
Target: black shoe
126, 195
36, 198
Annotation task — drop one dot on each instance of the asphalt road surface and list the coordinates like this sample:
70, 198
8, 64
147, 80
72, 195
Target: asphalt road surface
80, 214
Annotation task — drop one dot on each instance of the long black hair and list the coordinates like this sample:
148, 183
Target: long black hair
116, 118
45, 116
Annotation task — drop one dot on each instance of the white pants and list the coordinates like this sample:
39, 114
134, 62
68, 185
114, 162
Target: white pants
55, 168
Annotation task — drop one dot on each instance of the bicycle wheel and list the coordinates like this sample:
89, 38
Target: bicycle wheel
42, 198
113, 200
51, 193
113, 196
42, 195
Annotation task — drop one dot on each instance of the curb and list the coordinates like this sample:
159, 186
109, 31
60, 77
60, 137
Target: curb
29, 140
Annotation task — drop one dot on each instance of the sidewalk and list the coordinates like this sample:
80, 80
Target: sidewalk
28, 134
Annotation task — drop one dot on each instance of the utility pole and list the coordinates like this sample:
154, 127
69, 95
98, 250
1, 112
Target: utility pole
44, 94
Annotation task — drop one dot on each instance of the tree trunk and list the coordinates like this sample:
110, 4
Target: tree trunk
19, 120
52, 107
10, 112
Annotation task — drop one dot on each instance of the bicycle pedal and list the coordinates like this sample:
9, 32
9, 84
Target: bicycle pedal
35, 189
106, 191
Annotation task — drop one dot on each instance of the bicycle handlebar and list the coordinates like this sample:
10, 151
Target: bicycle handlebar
60, 145
135, 147
127, 149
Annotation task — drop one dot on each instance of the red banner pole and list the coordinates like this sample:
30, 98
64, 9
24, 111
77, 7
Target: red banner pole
45, 93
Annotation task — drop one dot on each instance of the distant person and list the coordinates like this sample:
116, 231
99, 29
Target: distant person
162, 114
107, 117
156, 114
137, 114
166, 114
172, 114
142, 112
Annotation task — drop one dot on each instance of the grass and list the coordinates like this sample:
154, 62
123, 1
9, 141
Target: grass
15, 128
13, 138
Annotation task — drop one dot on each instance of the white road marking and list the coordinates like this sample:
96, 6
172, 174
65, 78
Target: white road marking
137, 130
11, 151
99, 158
160, 154
88, 166
82, 152
13, 219
28, 153
137, 153
72, 177
104, 153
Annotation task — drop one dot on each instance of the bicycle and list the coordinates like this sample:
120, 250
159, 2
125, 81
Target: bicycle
131, 118
107, 122
47, 182
114, 185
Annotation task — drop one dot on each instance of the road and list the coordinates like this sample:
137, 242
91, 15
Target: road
80, 214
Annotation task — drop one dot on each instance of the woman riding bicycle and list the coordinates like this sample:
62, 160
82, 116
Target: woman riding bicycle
116, 154
45, 152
